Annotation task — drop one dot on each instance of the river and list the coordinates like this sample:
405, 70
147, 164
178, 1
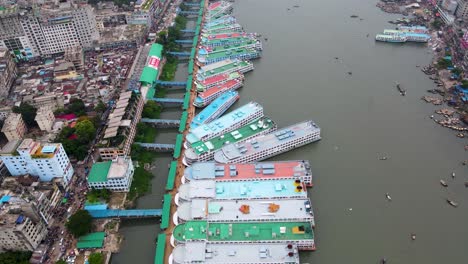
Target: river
362, 117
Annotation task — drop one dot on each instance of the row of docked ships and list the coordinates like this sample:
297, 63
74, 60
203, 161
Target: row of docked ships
404, 34
233, 207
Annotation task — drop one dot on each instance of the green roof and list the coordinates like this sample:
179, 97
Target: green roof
149, 75
190, 67
160, 248
183, 121
156, 50
230, 52
171, 176
244, 231
166, 214
92, 240
99, 171
151, 92
186, 101
178, 146
240, 134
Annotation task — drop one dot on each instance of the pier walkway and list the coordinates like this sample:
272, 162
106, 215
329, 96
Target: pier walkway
179, 54
157, 147
168, 101
118, 213
184, 41
192, 4
172, 84
190, 13
164, 123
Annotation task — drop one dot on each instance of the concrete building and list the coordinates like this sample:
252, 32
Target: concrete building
8, 72
47, 161
4, 112
51, 100
14, 127
115, 175
45, 118
462, 9
21, 226
450, 6
49, 28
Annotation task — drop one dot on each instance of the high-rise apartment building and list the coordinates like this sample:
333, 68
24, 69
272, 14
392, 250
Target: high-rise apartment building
462, 9
45, 118
14, 127
49, 27
47, 161
8, 72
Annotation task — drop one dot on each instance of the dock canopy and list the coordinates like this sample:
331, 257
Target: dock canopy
92, 240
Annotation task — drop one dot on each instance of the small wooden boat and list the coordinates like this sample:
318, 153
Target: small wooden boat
453, 174
388, 196
413, 236
443, 183
354, 16
452, 203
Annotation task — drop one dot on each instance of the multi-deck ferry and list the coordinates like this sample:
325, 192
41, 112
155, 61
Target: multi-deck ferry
204, 98
205, 57
204, 150
296, 169
287, 210
390, 38
226, 19
265, 146
217, 80
224, 67
414, 29
410, 36
248, 189
240, 253
228, 122
235, 27
218, 40
298, 233
215, 109
246, 43
219, 8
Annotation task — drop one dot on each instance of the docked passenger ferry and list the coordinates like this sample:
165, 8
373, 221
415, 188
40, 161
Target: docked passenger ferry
204, 98
215, 109
219, 40
235, 233
218, 9
296, 169
224, 67
390, 38
245, 253
287, 210
207, 57
217, 80
204, 150
228, 122
266, 146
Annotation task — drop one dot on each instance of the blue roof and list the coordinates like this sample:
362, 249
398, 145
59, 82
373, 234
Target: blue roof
48, 149
96, 207
257, 189
227, 120
5, 199
412, 34
211, 109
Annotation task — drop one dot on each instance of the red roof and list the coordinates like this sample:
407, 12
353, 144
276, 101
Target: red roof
222, 87
66, 116
73, 136
214, 79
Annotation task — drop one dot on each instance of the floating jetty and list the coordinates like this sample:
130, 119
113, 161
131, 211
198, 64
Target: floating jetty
266, 146
296, 169
204, 150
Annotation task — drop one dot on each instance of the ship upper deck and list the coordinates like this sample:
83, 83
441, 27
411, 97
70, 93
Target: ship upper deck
246, 210
219, 78
208, 111
259, 170
223, 122
259, 125
222, 66
211, 28
228, 52
244, 231
249, 189
227, 40
263, 142
226, 85
211, 253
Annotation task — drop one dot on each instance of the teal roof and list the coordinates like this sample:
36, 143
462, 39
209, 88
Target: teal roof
149, 75
166, 215
156, 50
92, 240
160, 248
99, 171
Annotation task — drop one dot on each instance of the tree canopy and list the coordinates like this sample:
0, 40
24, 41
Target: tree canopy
15, 257
100, 107
80, 223
151, 110
28, 113
96, 258
85, 130
61, 262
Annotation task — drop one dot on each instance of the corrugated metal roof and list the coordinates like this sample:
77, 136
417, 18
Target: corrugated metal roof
99, 171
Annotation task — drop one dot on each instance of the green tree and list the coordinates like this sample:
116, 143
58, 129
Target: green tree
15, 257
457, 71
96, 258
79, 223
100, 107
76, 107
28, 113
61, 262
85, 131
464, 83
151, 110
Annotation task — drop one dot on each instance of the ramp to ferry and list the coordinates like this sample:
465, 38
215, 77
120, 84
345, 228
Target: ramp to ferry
118, 213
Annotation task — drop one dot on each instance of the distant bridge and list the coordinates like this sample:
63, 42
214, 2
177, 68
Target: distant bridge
165, 83
188, 13
168, 102
184, 41
192, 4
157, 147
164, 123
179, 54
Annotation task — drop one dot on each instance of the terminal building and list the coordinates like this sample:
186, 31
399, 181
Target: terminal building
47, 161
115, 175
